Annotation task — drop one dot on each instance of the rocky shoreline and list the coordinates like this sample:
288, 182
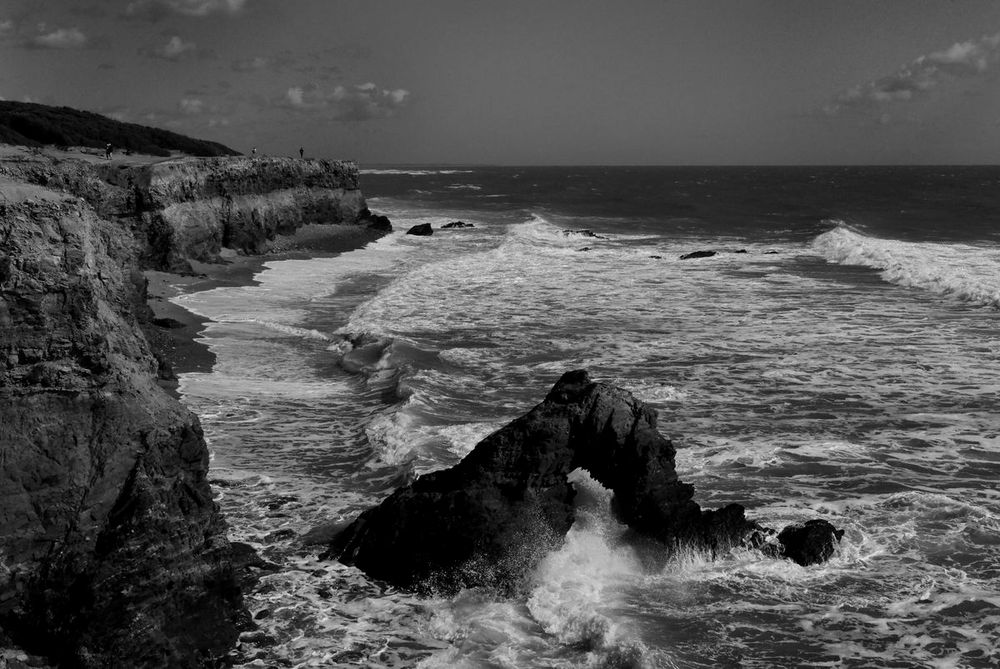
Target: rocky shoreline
112, 550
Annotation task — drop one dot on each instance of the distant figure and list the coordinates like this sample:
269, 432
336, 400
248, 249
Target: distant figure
253, 152
107, 151
301, 153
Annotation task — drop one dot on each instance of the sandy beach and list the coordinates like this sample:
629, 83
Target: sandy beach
175, 331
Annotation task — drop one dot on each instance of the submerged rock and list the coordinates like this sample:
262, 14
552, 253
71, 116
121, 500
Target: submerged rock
583, 233
457, 224
487, 520
709, 253
422, 230
698, 254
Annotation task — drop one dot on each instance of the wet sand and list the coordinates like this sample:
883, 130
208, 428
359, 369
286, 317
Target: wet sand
176, 332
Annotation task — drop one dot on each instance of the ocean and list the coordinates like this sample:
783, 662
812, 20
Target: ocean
837, 357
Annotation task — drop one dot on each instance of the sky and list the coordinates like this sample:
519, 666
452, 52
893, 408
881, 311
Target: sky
518, 82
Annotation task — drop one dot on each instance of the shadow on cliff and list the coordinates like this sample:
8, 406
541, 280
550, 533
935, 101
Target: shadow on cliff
489, 519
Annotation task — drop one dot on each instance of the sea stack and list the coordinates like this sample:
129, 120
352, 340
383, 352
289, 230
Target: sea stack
488, 519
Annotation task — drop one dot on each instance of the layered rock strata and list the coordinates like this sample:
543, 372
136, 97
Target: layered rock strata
112, 550
485, 521
190, 208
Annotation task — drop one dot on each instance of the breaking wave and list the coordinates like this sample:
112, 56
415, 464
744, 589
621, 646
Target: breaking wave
969, 273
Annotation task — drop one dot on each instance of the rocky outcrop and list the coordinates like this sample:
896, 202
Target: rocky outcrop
457, 225
812, 542
698, 254
422, 230
486, 520
707, 254
112, 550
583, 233
375, 222
190, 208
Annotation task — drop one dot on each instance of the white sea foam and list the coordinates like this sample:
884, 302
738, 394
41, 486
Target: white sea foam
970, 273
787, 385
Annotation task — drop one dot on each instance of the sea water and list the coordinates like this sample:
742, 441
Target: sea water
838, 357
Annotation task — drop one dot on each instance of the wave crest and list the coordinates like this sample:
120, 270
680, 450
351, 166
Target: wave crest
969, 273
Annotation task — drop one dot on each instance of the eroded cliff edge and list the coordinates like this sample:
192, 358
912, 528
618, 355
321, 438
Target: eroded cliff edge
112, 550
190, 208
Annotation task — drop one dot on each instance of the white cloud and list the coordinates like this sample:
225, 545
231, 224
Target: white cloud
295, 96
175, 48
185, 7
360, 102
191, 106
6, 27
60, 38
973, 58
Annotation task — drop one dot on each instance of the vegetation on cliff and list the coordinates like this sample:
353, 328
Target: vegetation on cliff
32, 124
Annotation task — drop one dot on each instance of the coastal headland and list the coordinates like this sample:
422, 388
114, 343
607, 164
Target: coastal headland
112, 550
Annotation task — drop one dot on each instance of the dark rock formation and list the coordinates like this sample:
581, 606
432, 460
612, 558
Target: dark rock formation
114, 552
374, 221
583, 233
423, 230
486, 520
812, 542
698, 254
457, 224
708, 254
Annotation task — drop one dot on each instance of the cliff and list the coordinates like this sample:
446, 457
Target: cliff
112, 550
190, 208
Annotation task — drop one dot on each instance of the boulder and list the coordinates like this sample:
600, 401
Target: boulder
423, 230
457, 224
698, 254
812, 542
488, 519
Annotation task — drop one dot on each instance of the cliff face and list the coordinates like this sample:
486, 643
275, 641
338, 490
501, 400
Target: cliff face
111, 548
112, 551
192, 207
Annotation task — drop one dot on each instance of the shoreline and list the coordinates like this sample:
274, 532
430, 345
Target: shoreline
174, 333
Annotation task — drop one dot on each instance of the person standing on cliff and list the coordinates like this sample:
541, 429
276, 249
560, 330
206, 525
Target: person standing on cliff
301, 152
107, 151
253, 152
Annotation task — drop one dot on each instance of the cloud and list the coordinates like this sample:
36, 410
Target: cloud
159, 8
974, 58
191, 106
361, 102
60, 38
174, 49
6, 27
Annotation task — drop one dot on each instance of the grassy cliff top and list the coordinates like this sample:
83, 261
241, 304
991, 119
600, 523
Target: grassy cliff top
31, 124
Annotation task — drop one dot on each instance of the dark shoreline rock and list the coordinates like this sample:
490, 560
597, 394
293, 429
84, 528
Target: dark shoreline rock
488, 519
698, 254
422, 230
708, 254
457, 225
